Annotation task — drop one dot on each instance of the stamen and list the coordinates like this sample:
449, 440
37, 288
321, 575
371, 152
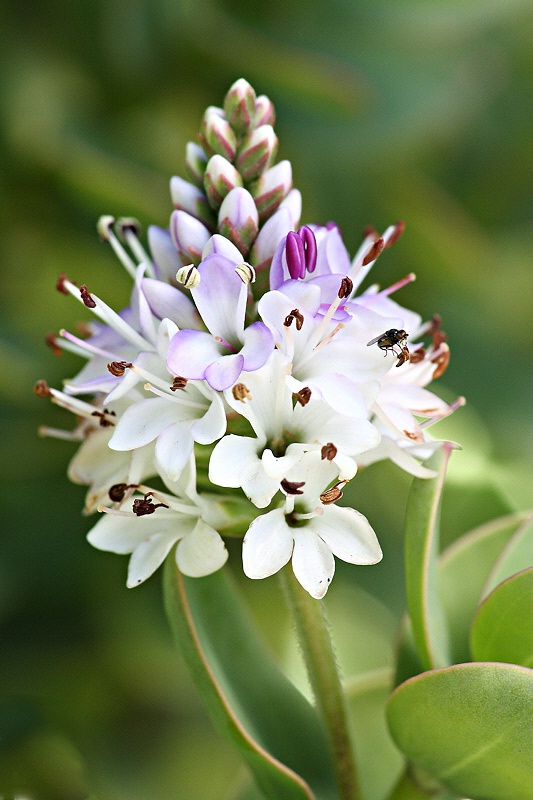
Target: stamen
223, 342
129, 230
179, 383
418, 355
398, 285
346, 288
188, 276
241, 392
397, 231
51, 340
182, 399
461, 401
292, 487
374, 252
441, 358
118, 368
370, 231
42, 389
59, 433
328, 452
333, 494
105, 230
294, 316
303, 396
118, 490
295, 255
309, 246
144, 506
82, 346
245, 272
86, 297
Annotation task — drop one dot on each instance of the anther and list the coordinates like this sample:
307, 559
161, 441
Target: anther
178, 383
294, 316
86, 297
125, 224
332, 495
441, 361
104, 225
42, 389
60, 285
303, 396
328, 452
370, 231
395, 235
292, 487
403, 356
146, 506
240, 392
51, 341
103, 418
118, 368
346, 288
245, 272
374, 252
418, 355
118, 490
188, 276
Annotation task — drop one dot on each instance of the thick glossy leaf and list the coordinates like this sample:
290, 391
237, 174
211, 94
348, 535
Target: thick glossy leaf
275, 728
379, 760
421, 552
516, 556
470, 727
503, 629
463, 571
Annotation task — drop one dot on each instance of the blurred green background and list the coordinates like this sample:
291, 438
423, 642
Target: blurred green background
416, 110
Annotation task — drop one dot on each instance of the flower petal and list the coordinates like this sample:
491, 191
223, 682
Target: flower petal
173, 449
312, 562
258, 344
201, 552
212, 425
348, 535
220, 298
117, 534
223, 372
191, 352
167, 301
147, 557
267, 546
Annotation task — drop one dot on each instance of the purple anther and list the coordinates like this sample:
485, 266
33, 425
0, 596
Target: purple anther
309, 243
295, 254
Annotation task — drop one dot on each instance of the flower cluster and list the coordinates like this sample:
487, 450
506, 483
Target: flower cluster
247, 381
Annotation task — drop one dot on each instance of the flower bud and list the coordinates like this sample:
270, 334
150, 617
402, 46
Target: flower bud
187, 197
164, 254
195, 163
269, 237
257, 152
238, 219
293, 202
269, 190
264, 112
223, 247
217, 135
239, 105
189, 236
220, 178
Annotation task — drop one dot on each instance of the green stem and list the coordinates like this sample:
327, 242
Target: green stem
314, 635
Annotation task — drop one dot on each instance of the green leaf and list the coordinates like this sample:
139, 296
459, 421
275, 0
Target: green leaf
516, 556
253, 704
502, 629
463, 571
421, 552
470, 727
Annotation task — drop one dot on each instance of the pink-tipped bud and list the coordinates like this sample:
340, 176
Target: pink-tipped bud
293, 203
217, 134
271, 188
239, 105
195, 163
189, 236
269, 237
238, 219
257, 152
164, 253
265, 113
219, 179
187, 197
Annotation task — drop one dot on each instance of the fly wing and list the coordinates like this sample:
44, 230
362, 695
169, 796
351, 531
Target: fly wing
375, 340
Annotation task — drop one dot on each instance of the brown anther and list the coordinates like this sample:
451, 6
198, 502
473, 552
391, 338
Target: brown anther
411, 435
127, 224
370, 231
418, 355
332, 495
241, 392
118, 490
86, 297
179, 382
441, 362
146, 506
374, 251
103, 420
51, 341
328, 452
60, 285
403, 356
398, 230
118, 368
42, 389
292, 487
346, 287
84, 329
294, 316
303, 396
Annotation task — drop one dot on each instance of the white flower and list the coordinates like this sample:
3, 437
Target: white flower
309, 532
